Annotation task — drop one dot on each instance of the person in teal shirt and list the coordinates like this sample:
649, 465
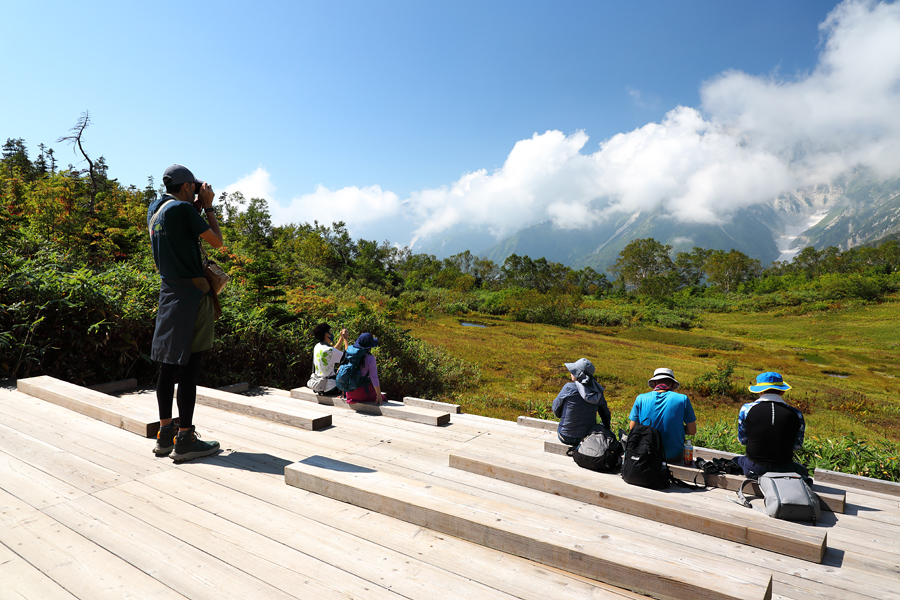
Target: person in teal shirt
670, 413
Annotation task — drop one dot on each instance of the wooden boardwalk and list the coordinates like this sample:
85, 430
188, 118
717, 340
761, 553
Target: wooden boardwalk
87, 512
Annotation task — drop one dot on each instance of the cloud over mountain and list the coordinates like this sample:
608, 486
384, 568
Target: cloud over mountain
752, 139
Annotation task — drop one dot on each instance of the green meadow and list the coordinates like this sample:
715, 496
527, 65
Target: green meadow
842, 364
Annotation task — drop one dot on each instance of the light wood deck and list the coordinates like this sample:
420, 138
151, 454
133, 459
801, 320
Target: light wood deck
87, 512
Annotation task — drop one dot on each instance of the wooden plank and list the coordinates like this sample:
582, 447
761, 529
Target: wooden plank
89, 402
58, 464
114, 386
293, 416
603, 554
520, 577
85, 569
538, 423
235, 388
831, 499
673, 509
823, 475
244, 528
387, 409
432, 404
20, 580
148, 548
855, 481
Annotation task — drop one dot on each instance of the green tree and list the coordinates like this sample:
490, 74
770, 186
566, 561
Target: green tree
646, 268
728, 270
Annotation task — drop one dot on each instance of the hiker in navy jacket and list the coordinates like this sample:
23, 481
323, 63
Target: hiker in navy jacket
578, 404
770, 429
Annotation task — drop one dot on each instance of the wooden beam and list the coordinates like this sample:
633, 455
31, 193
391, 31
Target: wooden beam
538, 423
678, 510
855, 481
432, 404
599, 552
258, 407
91, 403
830, 499
387, 409
819, 475
114, 386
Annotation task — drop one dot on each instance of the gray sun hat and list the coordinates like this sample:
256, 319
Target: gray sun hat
179, 174
582, 365
663, 373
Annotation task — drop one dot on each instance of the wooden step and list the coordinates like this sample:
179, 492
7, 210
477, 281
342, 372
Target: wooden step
432, 404
678, 510
91, 403
830, 499
387, 409
296, 416
869, 484
538, 423
602, 552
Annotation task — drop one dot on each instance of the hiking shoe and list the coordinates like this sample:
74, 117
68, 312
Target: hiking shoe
165, 439
188, 445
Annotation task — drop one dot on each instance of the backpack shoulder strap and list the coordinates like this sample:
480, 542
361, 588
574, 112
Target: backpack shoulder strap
156, 215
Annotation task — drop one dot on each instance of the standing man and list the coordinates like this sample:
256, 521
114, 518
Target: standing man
184, 321
670, 413
770, 429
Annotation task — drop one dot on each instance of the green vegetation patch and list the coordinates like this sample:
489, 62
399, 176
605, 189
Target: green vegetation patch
680, 338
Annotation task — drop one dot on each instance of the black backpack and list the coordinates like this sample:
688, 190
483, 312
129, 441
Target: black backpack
599, 451
645, 459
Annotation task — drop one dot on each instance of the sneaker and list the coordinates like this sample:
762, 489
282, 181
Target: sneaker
165, 439
188, 445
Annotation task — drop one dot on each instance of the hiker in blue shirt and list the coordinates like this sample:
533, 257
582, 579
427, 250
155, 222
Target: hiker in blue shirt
770, 429
670, 413
578, 404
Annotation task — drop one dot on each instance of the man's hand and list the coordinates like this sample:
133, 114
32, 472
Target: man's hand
206, 195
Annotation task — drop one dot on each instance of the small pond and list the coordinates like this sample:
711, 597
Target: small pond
467, 324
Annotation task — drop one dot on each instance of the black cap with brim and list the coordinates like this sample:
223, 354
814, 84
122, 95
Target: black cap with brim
178, 175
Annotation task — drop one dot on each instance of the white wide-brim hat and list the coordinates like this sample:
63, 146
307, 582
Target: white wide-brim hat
663, 373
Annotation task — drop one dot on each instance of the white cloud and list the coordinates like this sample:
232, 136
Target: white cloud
254, 185
752, 139
353, 205
755, 138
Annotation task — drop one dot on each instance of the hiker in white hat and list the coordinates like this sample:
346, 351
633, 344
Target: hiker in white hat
670, 413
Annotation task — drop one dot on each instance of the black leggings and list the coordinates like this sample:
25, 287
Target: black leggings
186, 376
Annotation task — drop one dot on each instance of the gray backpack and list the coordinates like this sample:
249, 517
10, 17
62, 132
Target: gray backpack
786, 496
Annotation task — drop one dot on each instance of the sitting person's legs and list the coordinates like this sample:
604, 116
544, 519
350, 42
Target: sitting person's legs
364, 393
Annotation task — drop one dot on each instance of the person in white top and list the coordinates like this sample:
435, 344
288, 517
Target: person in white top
326, 357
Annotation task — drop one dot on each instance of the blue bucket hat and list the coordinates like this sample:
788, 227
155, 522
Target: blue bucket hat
580, 367
366, 341
769, 380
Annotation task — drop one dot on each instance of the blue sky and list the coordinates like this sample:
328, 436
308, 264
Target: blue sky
351, 105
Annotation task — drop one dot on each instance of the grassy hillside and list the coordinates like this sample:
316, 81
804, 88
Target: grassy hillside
841, 364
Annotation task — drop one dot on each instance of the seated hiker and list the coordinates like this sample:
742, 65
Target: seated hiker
325, 360
578, 404
770, 429
370, 388
670, 413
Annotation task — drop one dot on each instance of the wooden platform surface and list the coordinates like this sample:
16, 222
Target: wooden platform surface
396, 410
87, 512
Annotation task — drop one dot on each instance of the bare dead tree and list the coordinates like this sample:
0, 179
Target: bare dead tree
75, 139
